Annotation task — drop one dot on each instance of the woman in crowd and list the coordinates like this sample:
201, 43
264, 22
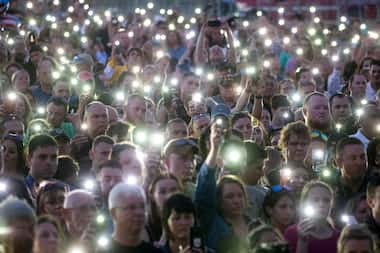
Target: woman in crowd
50, 198
314, 231
221, 205
294, 143
279, 208
13, 163
178, 217
48, 236
20, 81
161, 188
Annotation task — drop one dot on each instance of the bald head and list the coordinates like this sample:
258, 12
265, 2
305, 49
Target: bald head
79, 210
135, 109
316, 112
77, 198
121, 192
96, 118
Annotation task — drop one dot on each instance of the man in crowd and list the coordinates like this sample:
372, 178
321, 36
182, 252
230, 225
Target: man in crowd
43, 89
135, 109
351, 159
316, 112
368, 123
176, 128
374, 81
56, 116
179, 160
79, 211
373, 199
95, 123
100, 152
42, 159
127, 205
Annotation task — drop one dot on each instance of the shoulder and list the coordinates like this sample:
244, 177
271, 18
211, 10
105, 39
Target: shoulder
148, 247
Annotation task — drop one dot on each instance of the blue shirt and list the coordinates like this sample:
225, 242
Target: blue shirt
40, 96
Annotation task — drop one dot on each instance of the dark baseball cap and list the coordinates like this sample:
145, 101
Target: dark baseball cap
180, 146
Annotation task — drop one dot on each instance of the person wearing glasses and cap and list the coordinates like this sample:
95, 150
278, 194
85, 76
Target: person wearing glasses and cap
178, 156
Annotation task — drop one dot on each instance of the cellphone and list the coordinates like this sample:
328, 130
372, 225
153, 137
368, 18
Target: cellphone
214, 23
196, 238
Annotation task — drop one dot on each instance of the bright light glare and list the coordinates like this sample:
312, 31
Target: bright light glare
89, 184
132, 180
318, 154
309, 211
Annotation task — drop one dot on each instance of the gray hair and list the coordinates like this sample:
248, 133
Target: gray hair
13, 208
121, 191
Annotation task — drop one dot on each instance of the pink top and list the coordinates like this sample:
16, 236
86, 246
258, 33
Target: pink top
328, 245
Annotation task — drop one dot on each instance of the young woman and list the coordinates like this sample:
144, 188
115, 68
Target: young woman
20, 80
161, 188
279, 208
314, 232
178, 217
48, 236
50, 198
13, 157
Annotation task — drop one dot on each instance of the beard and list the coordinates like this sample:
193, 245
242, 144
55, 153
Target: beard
318, 125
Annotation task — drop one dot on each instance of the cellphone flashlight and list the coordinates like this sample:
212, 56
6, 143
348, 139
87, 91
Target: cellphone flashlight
89, 184
309, 211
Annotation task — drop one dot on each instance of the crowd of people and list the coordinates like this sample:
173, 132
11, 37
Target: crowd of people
160, 131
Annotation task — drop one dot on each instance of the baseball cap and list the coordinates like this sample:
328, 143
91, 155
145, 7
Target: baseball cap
180, 146
83, 59
220, 110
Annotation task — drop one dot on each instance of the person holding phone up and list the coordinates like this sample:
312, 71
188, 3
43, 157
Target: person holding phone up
314, 232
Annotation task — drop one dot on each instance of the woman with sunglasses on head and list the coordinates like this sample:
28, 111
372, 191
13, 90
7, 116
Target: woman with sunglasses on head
314, 232
279, 208
50, 198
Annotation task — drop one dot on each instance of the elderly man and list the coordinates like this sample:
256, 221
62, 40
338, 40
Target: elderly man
18, 219
79, 211
127, 205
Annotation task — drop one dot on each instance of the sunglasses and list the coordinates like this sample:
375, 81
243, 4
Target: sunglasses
278, 188
316, 134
